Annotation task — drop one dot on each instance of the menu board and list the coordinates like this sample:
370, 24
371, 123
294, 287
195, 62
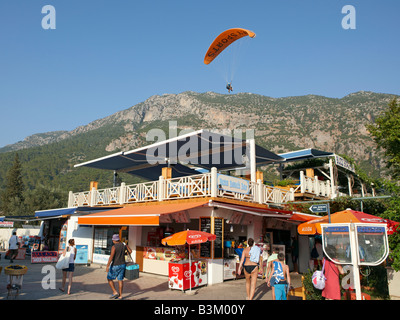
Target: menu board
205, 248
218, 242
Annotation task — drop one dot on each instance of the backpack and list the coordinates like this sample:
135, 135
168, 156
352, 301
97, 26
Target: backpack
314, 253
318, 278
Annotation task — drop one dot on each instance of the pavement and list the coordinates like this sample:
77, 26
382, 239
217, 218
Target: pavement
42, 282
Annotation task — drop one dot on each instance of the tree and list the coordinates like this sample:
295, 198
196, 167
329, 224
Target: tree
386, 133
14, 192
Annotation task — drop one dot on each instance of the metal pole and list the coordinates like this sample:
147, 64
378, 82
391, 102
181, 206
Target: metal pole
329, 213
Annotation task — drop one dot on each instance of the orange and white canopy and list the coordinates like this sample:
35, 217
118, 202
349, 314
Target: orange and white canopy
313, 227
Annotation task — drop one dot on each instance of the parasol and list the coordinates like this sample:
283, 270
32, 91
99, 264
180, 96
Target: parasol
313, 227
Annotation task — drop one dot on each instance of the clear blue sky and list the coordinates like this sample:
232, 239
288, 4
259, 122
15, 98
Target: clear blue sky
107, 55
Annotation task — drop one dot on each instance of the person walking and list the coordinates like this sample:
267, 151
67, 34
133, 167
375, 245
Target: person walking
271, 259
279, 278
332, 282
13, 245
71, 249
250, 262
116, 266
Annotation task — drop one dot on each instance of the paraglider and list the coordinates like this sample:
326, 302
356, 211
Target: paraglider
222, 42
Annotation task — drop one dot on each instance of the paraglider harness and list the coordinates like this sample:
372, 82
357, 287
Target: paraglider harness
229, 87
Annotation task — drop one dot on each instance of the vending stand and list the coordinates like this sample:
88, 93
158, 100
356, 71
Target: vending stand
180, 277
355, 244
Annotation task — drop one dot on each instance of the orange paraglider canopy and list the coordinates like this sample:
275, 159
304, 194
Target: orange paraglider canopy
224, 40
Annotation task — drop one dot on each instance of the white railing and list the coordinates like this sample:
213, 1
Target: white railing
186, 187
201, 185
315, 186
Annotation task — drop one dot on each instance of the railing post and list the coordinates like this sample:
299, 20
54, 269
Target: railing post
316, 186
70, 199
122, 193
92, 197
161, 188
214, 182
260, 192
302, 182
291, 197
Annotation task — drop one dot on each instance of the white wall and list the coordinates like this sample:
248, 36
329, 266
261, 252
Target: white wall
82, 235
5, 234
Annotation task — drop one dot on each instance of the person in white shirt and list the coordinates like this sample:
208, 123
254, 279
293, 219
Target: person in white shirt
71, 268
13, 246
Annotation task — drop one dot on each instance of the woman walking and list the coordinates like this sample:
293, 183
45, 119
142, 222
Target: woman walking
250, 262
71, 268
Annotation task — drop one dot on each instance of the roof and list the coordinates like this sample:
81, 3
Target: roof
305, 154
202, 148
60, 212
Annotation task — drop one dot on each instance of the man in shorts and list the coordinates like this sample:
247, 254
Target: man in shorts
116, 266
13, 246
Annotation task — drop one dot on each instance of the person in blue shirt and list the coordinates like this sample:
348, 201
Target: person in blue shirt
279, 278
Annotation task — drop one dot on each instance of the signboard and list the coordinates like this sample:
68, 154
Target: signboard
341, 162
233, 184
44, 256
82, 254
205, 248
318, 208
7, 224
218, 242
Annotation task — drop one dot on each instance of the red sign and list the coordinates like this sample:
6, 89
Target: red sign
7, 224
44, 256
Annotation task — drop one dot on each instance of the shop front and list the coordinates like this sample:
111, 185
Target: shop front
57, 227
144, 226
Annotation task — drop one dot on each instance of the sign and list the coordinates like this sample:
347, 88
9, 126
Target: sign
233, 184
341, 162
218, 242
317, 208
44, 256
7, 224
81, 254
205, 248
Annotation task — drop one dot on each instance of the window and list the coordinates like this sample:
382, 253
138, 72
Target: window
103, 239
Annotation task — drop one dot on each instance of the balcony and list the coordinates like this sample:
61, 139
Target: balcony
201, 185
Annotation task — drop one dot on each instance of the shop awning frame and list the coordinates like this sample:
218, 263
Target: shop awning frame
138, 215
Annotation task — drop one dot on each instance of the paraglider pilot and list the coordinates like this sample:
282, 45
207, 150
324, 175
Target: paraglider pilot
229, 87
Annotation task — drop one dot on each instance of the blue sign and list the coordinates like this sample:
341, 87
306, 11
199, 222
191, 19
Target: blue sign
81, 254
364, 229
233, 184
317, 208
337, 229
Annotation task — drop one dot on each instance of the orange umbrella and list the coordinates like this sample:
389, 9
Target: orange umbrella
189, 237
313, 227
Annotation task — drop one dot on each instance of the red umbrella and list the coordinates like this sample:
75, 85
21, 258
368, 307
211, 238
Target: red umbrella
189, 237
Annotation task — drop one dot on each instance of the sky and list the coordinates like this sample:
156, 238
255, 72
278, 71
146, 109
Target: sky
105, 56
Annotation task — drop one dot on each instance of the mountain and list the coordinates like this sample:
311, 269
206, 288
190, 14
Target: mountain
281, 124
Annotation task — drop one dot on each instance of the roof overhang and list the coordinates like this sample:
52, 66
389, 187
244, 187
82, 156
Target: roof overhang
138, 215
305, 154
202, 148
66, 212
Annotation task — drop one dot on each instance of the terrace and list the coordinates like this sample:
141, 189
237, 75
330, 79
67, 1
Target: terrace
174, 177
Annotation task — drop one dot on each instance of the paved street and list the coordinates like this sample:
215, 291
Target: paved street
90, 283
